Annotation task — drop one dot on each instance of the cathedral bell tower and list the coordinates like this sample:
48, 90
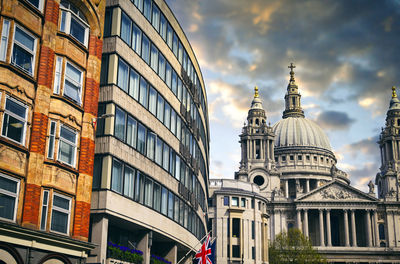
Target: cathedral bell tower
389, 143
257, 163
292, 98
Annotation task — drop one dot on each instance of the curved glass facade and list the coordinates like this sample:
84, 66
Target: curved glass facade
150, 181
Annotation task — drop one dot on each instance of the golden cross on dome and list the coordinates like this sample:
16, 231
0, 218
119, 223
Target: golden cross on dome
394, 95
291, 67
256, 92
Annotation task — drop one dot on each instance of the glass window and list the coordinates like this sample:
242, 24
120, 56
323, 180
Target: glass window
104, 69
139, 4
164, 200
73, 83
174, 83
60, 213
172, 156
178, 168
173, 121
181, 212
170, 205
235, 201
129, 181
154, 58
131, 132
152, 101
126, 26
151, 138
136, 39
155, 21
139, 187
157, 197
243, 202
163, 27
158, 156
4, 39
67, 146
14, 120
117, 178
123, 75
160, 108
37, 3
180, 52
175, 45
108, 22
9, 189
161, 66
57, 75
148, 192
97, 171
167, 115
73, 22
147, 9
119, 127
168, 74
52, 138
176, 209
146, 49
45, 206
143, 92
134, 84
178, 127
165, 156
24, 49
169, 35
141, 143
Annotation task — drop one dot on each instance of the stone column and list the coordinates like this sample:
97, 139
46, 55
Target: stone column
328, 227
368, 224
299, 219
144, 246
376, 228
99, 236
321, 228
346, 228
172, 254
306, 222
353, 228
267, 150
271, 150
287, 188
307, 186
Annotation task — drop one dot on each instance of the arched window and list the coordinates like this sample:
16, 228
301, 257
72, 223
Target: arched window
73, 22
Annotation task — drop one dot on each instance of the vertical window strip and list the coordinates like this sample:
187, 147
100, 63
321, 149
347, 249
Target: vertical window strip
4, 39
45, 204
57, 76
52, 136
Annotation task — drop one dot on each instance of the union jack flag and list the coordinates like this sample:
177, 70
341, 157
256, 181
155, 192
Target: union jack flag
204, 252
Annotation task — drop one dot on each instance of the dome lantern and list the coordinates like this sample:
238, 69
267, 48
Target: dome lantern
292, 97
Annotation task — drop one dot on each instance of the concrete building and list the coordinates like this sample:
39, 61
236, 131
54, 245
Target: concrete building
151, 164
50, 55
295, 168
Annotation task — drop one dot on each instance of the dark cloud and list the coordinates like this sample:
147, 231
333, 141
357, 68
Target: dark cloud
334, 120
257, 39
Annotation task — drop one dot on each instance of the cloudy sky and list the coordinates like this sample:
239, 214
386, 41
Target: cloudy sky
347, 57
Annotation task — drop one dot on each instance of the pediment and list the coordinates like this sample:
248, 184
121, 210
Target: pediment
336, 191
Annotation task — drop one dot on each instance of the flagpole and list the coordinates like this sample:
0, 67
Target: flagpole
190, 250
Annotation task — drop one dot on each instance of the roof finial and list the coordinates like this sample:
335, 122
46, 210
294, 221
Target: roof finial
394, 95
291, 67
256, 92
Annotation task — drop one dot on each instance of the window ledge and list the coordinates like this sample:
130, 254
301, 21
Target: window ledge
62, 166
18, 71
68, 101
13, 144
76, 42
33, 8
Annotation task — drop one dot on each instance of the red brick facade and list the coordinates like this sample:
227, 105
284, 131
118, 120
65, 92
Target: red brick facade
39, 132
91, 96
51, 12
95, 46
46, 66
81, 220
86, 157
31, 206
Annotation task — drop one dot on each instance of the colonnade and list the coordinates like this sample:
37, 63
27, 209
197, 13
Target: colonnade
349, 238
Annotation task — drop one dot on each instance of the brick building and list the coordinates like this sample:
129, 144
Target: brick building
50, 56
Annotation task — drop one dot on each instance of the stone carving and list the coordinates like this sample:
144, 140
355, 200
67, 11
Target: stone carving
371, 187
336, 194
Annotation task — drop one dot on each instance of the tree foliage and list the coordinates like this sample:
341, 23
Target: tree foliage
293, 247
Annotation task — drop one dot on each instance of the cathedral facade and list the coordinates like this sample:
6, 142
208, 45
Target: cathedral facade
291, 168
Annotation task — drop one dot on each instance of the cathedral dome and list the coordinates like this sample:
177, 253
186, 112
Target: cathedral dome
298, 131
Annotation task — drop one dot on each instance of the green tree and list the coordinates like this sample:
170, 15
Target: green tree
293, 247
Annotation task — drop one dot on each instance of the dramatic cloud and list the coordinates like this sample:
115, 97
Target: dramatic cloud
334, 120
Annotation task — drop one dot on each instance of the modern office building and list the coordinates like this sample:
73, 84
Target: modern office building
294, 167
151, 163
50, 55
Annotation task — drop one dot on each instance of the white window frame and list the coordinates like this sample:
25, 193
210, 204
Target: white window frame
75, 144
40, 7
4, 38
8, 193
50, 152
73, 81
60, 210
67, 25
17, 117
45, 206
58, 75
23, 47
